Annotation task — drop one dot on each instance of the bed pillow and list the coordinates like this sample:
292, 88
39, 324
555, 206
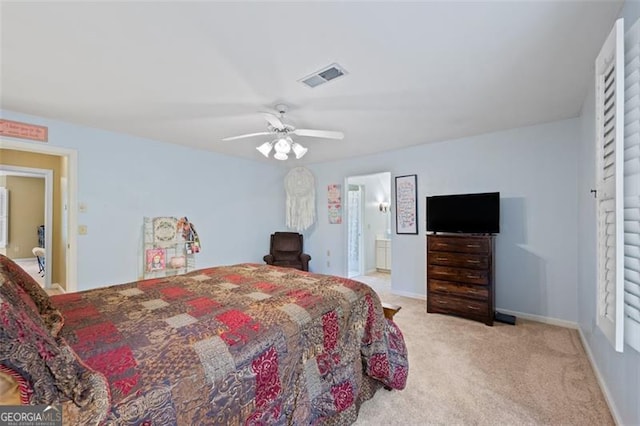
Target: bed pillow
17, 297
54, 372
51, 316
12, 386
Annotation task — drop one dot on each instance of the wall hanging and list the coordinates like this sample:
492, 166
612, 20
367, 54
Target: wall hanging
334, 203
407, 204
299, 185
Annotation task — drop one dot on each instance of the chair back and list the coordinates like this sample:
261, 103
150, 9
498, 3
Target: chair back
286, 245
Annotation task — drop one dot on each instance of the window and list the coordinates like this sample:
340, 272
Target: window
609, 181
618, 184
632, 188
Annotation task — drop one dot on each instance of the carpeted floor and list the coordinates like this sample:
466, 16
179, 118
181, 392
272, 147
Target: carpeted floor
463, 372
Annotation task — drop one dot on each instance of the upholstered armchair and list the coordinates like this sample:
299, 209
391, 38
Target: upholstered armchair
285, 250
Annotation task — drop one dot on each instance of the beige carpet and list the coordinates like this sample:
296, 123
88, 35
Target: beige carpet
463, 372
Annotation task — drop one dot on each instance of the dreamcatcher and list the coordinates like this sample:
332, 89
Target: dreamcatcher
301, 198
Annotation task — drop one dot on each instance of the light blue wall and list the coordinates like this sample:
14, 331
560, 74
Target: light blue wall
235, 204
620, 371
535, 170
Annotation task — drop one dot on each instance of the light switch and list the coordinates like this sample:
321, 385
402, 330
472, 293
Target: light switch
82, 229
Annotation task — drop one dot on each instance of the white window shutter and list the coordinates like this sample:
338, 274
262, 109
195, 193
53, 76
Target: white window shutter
4, 217
632, 188
609, 181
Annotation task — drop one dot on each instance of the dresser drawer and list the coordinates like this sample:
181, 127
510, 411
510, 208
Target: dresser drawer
453, 305
459, 244
458, 274
462, 290
464, 260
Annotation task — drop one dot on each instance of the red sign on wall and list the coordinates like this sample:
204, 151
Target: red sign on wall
16, 129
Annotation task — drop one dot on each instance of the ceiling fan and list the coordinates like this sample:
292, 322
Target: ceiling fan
283, 143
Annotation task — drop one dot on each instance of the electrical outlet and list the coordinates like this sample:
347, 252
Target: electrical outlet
82, 207
328, 253
328, 264
82, 229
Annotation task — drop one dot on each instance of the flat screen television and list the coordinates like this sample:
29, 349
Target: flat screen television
464, 213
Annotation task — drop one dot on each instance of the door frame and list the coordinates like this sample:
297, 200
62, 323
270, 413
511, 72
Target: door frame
47, 175
379, 194
71, 156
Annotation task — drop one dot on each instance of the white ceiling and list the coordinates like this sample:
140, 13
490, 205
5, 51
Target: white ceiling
192, 73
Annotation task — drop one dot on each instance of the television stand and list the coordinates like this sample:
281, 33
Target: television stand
505, 318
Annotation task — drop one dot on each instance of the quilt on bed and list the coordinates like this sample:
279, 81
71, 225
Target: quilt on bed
242, 344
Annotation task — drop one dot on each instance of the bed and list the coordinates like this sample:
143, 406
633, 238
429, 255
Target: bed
242, 344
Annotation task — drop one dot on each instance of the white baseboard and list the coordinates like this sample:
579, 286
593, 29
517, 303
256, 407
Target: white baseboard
26, 259
540, 318
58, 287
409, 294
601, 381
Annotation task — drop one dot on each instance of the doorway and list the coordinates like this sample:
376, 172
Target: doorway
368, 221
29, 218
61, 254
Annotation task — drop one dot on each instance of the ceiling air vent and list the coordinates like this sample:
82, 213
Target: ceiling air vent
324, 75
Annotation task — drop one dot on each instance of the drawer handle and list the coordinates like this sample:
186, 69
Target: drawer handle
473, 276
473, 245
442, 258
475, 308
441, 302
472, 261
445, 273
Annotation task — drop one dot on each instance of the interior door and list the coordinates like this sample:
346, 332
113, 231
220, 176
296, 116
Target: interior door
355, 205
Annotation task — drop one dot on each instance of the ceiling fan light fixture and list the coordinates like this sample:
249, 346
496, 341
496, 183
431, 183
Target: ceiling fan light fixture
280, 156
265, 148
299, 150
283, 145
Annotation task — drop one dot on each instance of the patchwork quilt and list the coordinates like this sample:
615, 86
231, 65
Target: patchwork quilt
244, 344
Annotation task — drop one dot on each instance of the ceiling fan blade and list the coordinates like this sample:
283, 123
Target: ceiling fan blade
327, 134
248, 135
273, 120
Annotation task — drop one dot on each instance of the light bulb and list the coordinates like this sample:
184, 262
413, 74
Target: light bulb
280, 156
265, 149
299, 150
283, 146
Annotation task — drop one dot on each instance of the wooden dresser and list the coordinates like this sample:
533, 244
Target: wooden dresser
460, 276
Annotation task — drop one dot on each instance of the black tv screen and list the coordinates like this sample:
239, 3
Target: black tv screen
467, 213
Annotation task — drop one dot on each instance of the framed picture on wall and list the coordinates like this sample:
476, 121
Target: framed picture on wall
407, 204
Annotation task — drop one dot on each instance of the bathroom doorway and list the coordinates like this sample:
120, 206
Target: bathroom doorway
368, 221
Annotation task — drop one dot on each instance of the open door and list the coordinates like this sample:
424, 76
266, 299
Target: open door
355, 206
